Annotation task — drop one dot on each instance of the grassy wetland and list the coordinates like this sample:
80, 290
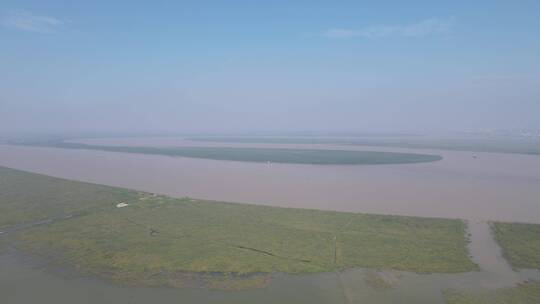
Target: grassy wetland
520, 243
158, 240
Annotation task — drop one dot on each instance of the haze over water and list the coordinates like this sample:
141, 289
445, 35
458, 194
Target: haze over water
429, 68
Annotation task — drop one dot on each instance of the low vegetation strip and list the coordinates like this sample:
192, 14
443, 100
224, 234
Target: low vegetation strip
520, 243
156, 236
295, 156
525, 293
498, 145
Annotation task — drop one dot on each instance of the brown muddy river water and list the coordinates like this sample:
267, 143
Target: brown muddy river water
489, 187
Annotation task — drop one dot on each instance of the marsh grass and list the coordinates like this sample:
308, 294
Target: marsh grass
157, 238
520, 243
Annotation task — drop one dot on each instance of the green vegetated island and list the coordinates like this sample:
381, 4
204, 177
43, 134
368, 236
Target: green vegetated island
294, 156
146, 239
498, 145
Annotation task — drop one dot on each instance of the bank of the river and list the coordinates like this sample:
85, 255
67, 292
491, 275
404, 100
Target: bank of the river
162, 240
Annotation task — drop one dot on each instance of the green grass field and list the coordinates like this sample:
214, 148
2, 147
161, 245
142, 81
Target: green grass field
520, 243
162, 240
525, 293
294, 156
26, 198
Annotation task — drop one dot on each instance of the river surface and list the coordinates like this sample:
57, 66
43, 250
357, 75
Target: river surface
491, 186
487, 187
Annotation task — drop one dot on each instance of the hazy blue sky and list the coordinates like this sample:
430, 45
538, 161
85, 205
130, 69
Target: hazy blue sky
130, 66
